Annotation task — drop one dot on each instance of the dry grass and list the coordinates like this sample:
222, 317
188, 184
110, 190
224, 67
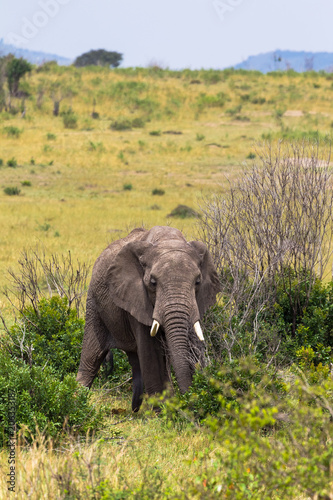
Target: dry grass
140, 454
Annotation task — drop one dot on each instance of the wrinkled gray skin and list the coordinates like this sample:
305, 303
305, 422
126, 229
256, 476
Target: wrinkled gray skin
149, 275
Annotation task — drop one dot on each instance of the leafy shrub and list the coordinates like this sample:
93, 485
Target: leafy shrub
12, 191
50, 136
12, 162
43, 402
69, 119
233, 111
12, 131
51, 335
26, 183
127, 187
251, 156
258, 100
199, 137
39, 360
268, 439
155, 132
120, 125
218, 386
157, 192
183, 212
212, 101
138, 122
1, 162
211, 76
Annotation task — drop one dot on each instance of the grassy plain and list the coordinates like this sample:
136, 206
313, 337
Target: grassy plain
193, 130
81, 188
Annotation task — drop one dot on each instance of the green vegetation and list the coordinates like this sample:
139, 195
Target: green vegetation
256, 422
99, 58
12, 190
15, 70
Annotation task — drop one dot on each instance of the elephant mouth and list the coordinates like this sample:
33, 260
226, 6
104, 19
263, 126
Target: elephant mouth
197, 328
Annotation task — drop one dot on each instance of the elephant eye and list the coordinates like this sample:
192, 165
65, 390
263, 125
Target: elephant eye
153, 281
198, 281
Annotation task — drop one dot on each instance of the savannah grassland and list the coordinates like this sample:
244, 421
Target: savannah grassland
83, 187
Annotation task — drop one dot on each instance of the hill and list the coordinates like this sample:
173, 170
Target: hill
282, 60
32, 56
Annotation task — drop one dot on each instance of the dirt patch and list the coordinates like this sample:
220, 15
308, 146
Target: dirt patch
293, 112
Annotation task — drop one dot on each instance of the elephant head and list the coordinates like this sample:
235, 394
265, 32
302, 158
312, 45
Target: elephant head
167, 284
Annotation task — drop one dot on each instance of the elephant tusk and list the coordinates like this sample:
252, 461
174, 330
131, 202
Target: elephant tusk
198, 331
154, 328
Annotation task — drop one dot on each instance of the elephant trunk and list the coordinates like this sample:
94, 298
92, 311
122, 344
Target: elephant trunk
177, 326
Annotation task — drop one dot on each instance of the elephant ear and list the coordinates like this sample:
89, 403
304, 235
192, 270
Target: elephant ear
210, 285
125, 277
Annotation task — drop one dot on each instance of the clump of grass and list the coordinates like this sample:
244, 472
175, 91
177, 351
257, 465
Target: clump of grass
234, 111
158, 192
242, 118
127, 187
155, 132
12, 162
183, 212
26, 183
138, 122
44, 227
96, 146
32, 161
120, 125
212, 101
50, 136
155, 207
199, 137
1, 162
12, 191
251, 156
12, 131
69, 119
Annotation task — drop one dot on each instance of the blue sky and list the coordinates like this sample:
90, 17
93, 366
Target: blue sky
174, 33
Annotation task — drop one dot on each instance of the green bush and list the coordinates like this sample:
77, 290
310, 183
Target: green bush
268, 439
12, 131
12, 191
120, 125
158, 192
39, 359
218, 386
127, 187
212, 101
69, 119
51, 336
12, 162
43, 402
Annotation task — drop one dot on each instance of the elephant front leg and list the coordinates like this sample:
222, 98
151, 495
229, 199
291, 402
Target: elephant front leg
152, 361
137, 380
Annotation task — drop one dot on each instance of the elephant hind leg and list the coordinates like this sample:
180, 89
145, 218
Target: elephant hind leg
96, 346
137, 380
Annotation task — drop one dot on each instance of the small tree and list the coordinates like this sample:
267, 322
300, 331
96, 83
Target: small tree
271, 232
99, 57
15, 70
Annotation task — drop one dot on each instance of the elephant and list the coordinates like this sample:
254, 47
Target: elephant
147, 294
